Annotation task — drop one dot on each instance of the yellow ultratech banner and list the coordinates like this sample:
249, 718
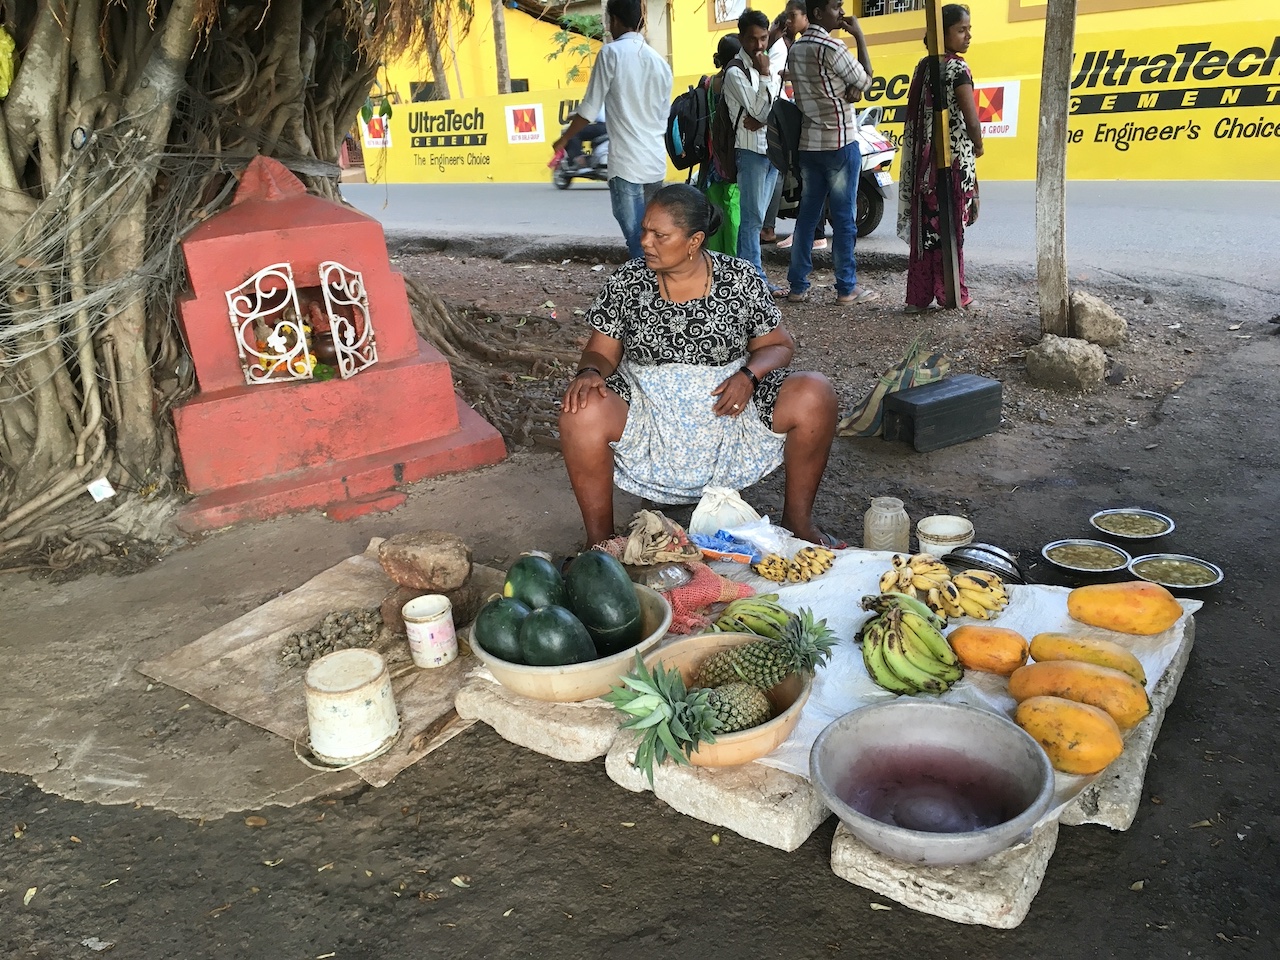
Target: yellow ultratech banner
1184, 103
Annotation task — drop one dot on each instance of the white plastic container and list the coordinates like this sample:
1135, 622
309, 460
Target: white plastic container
351, 713
941, 534
886, 526
429, 623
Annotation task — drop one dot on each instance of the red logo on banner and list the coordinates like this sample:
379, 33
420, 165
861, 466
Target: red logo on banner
990, 101
525, 120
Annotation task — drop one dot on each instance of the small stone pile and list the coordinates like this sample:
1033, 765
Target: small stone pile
339, 630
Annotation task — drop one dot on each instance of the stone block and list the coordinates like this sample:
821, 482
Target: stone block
1113, 799
563, 731
1094, 319
1066, 363
428, 560
761, 803
995, 892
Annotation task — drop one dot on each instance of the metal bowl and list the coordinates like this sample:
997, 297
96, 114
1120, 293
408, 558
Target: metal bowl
969, 781
1209, 568
1151, 514
1122, 557
581, 681
983, 556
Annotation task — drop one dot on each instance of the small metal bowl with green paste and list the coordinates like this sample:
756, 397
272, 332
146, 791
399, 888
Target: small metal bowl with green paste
1176, 571
1132, 523
1085, 556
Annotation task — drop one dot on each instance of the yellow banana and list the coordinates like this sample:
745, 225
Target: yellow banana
972, 607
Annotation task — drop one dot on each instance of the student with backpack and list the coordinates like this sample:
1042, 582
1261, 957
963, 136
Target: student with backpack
750, 89
632, 82
717, 174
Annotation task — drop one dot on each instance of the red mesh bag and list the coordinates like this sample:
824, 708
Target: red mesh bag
690, 604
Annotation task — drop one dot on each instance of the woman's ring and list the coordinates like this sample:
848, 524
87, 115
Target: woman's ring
737, 406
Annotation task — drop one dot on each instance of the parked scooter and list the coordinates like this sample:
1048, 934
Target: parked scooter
874, 181
877, 157
592, 164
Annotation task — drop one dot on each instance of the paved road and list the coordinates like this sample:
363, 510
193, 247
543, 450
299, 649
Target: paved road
1198, 230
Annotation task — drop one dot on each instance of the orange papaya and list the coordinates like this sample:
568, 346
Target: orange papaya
1115, 692
1104, 653
990, 649
1078, 738
1136, 607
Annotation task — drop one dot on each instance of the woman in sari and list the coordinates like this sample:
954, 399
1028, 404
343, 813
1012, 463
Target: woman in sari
919, 222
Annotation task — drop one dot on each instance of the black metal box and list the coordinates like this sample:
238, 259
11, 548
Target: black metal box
955, 409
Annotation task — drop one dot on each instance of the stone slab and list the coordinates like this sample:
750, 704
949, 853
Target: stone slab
995, 892
761, 803
575, 732
1114, 797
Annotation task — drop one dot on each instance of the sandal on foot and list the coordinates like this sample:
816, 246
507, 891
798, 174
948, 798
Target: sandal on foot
830, 542
857, 295
798, 297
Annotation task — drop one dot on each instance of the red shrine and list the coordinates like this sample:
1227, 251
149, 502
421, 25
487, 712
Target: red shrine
315, 391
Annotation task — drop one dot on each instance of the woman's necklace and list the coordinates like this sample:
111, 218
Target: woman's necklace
706, 292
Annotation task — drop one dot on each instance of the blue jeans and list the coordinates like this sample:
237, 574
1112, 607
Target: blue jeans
629, 201
756, 178
830, 176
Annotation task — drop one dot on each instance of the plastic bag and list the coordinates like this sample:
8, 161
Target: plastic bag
762, 535
720, 509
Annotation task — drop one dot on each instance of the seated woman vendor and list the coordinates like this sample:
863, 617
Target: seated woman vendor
684, 382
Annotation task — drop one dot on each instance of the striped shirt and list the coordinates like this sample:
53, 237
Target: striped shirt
823, 72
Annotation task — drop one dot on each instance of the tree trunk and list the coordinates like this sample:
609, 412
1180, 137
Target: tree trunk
500, 46
604, 21
438, 74
1051, 169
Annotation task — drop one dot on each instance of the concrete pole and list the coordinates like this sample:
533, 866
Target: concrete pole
1051, 169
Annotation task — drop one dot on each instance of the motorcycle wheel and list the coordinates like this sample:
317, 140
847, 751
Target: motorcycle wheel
559, 178
870, 211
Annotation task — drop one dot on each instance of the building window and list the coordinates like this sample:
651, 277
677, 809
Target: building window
519, 86
422, 91
876, 8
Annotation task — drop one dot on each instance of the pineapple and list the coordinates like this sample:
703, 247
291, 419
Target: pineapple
805, 642
675, 720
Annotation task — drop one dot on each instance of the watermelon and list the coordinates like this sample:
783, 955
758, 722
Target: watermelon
535, 582
497, 628
603, 597
551, 636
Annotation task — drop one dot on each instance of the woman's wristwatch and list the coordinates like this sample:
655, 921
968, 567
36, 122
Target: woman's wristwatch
755, 381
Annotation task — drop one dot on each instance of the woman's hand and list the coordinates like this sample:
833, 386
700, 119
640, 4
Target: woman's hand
580, 390
973, 211
732, 395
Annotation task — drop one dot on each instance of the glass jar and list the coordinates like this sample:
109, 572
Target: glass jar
886, 526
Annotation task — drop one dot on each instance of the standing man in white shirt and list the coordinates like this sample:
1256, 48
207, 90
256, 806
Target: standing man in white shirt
750, 87
633, 84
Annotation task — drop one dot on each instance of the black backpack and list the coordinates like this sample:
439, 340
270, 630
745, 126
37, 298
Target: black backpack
688, 128
783, 135
724, 129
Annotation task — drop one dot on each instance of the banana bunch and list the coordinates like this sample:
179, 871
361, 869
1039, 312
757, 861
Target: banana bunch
809, 562
760, 615
903, 648
974, 593
981, 594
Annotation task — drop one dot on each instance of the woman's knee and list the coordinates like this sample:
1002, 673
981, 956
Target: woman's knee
806, 397
599, 422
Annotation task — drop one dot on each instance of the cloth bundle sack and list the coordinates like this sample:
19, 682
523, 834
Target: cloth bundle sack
867, 418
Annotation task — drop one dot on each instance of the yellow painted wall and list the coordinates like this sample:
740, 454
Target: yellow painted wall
1192, 120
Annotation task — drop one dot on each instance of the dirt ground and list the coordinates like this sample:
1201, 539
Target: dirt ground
488, 850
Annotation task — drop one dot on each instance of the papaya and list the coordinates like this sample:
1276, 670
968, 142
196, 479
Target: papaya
1077, 737
990, 649
1104, 653
1111, 690
1136, 607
